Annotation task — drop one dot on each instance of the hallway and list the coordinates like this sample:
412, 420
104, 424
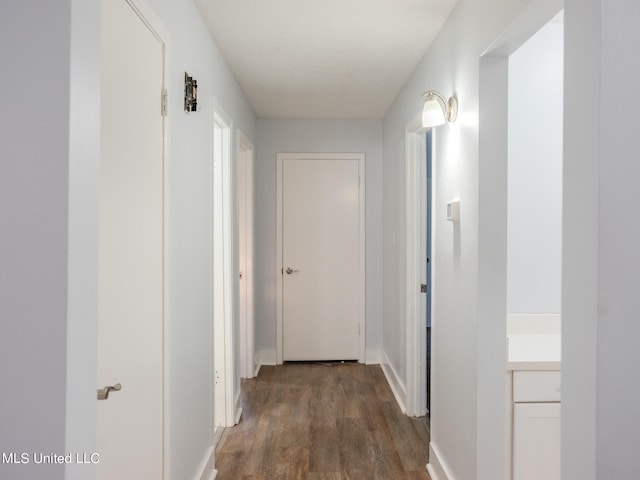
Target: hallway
322, 422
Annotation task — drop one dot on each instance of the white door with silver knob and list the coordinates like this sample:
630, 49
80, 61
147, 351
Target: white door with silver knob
321, 242
131, 312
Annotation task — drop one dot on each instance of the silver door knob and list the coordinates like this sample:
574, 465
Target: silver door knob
290, 270
103, 393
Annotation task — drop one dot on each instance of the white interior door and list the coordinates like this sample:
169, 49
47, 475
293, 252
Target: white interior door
131, 314
321, 258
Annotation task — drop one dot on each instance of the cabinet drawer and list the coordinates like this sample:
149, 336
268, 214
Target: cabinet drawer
536, 387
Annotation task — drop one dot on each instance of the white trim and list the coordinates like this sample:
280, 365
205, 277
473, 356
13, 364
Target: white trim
224, 284
279, 279
217, 436
144, 10
436, 467
238, 409
206, 470
394, 381
245, 153
415, 266
80, 426
362, 233
215, 440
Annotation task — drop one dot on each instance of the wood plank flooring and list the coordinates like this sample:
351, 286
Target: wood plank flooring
322, 422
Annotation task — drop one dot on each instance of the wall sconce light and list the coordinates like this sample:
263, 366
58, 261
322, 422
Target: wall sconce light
190, 93
437, 110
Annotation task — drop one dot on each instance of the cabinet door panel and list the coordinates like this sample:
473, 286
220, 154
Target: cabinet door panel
536, 441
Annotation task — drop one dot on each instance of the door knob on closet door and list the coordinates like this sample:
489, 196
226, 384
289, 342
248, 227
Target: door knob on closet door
290, 270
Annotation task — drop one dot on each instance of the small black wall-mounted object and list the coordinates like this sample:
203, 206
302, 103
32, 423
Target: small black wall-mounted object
190, 93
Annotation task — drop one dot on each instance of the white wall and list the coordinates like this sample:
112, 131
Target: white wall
48, 190
600, 257
84, 167
535, 173
451, 66
315, 136
600, 261
619, 236
190, 289
41, 143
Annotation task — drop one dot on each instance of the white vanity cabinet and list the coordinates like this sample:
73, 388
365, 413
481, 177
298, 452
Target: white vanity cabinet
536, 425
534, 411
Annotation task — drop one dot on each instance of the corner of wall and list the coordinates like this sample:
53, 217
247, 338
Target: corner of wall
436, 467
266, 357
207, 470
372, 356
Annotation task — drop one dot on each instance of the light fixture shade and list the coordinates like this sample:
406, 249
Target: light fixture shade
438, 110
432, 112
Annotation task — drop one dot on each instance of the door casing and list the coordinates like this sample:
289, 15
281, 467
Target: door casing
416, 266
245, 183
226, 408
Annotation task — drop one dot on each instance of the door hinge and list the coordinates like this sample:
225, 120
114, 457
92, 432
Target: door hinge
423, 288
164, 102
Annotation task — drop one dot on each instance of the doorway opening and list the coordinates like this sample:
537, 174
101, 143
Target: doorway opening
494, 398
225, 387
418, 287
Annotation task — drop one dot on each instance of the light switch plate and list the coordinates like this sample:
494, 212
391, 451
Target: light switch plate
453, 210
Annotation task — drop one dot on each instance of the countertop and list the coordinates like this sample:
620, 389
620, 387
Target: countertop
534, 352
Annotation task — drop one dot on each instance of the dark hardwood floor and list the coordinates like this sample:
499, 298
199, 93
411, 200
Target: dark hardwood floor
322, 422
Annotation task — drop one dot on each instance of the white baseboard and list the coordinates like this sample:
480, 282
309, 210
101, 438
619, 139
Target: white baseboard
372, 357
238, 408
268, 357
207, 469
255, 374
217, 435
436, 467
394, 381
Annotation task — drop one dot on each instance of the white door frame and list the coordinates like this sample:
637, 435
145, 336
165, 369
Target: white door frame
362, 231
223, 277
248, 363
416, 266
